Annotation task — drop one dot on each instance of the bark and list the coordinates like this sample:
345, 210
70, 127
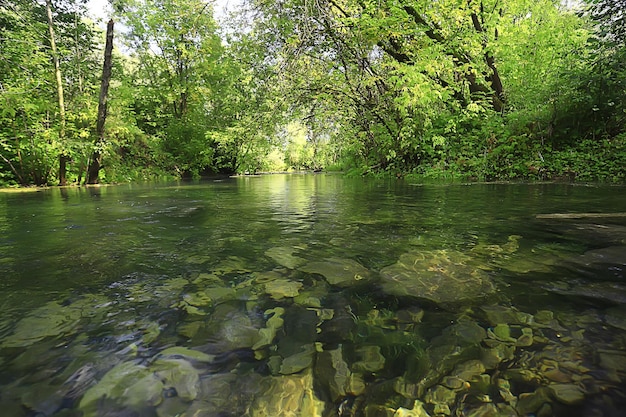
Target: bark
63, 158
494, 77
433, 31
96, 158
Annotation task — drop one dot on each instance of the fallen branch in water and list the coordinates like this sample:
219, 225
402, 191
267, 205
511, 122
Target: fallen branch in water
579, 215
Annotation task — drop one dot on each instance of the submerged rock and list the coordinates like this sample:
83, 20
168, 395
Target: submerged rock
180, 352
179, 375
291, 396
52, 319
497, 314
298, 362
466, 371
128, 384
283, 256
339, 272
567, 393
282, 288
370, 359
332, 373
273, 323
616, 317
612, 292
416, 411
610, 262
440, 276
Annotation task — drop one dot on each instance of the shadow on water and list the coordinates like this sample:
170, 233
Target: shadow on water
312, 295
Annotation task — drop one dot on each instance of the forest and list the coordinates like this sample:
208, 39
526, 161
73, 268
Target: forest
472, 90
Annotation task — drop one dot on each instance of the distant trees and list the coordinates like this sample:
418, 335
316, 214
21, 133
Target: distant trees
454, 88
46, 77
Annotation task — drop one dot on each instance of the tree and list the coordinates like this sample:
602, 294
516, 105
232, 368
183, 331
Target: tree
60, 96
38, 138
96, 159
177, 50
610, 15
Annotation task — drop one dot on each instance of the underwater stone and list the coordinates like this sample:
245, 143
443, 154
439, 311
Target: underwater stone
339, 272
468, 331
545, 411
282, 288
172, 406
283, 256
506, 315
178, 374
544, 316
556, 375
453, 382
190, 329
52, 319
504, 388
178, 352
485, 410
127, 383
273, 363
42, 398
332, 371
440, 395
234, 328
375, 410
468, 370
502, 332
616, 317
492, 357
356, 385
567, 393
526, 339
442, 409
613, 256
528, 403
416, 411
226, 394
613, 361
410, 315
290, 395
439, 276
274, 322
411, 390
612, 292
299, 361
371, 360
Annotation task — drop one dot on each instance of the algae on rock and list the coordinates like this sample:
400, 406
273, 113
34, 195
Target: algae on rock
440, 276
339, 272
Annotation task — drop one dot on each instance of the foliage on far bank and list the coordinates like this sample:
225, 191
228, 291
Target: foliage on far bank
477, 90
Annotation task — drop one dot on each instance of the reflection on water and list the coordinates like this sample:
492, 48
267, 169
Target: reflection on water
312, 295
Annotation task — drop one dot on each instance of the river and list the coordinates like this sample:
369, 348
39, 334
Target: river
313, 295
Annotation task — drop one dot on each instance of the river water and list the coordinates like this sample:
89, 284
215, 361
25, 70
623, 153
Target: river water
313, 295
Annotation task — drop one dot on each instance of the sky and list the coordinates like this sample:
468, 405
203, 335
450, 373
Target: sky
99, 10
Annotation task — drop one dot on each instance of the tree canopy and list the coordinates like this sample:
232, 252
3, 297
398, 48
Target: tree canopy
468, 89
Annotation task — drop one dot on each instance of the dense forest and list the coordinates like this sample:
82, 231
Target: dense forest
452, 89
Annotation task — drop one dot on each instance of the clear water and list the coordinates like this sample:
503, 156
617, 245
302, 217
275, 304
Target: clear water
105, 278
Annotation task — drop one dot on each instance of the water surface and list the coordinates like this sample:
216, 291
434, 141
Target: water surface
304, 295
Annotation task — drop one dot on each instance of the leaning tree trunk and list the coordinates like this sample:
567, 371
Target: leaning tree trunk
96, 158
498, 98
57, 72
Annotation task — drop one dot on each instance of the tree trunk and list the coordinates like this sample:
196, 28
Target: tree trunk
96, 158
494, 77
57, 72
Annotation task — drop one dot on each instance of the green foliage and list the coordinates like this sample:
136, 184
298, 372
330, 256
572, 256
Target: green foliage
446, 90
29, 118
